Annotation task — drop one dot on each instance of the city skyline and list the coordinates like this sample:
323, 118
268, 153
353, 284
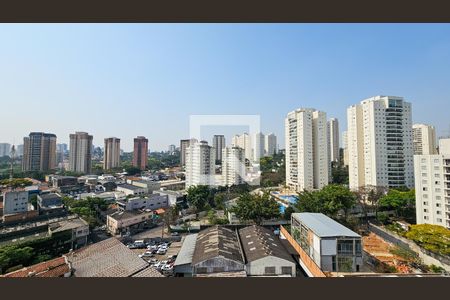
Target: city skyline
127, 80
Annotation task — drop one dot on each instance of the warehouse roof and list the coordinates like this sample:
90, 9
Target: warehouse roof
187, 250
129, 187
323, 226
108, 258
217, 241
148, 272
259, 242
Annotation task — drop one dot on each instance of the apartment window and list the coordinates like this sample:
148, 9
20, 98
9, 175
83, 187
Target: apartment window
286, 270
424, 174
436, 175
438, 205
424, 188
425, 203
438, 212
424, 168
425, 217
425, 196
437, 190
436, 161
425, 210
269, 271
439, 220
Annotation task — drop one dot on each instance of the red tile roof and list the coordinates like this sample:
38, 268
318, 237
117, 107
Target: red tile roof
53, 268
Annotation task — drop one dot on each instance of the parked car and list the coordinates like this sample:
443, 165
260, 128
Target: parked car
174, 234
146, 254
161, 251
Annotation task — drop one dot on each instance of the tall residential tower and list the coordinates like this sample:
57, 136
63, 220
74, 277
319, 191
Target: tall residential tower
111, 157
140, 152
39, 152
80, 152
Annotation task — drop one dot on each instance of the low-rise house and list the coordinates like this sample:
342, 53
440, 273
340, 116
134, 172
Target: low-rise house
123, 222
58, 267
330, 245
217, 250
107, 185
129, 189
108, 258
264, 253
58, 181
76, 229
152, 201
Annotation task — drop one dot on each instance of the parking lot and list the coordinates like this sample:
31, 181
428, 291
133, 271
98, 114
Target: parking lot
159, 254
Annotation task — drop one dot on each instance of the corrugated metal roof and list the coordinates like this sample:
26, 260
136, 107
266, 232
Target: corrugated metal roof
187, 250
324, 226
259, 242
217, 241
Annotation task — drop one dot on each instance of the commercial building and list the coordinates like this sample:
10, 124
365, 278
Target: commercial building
330, 245
184, 144
183, 263
217, 250
39, 152
5, 149
380, 143
307, 163
174, 197
77, 228
140, 152
129, 189
123, 222
244, 141
149, 185
200, 162
80, 153
152, 201
432, 186
264, 253
270, 144
49, 200
233, 166
15, 202
218, 144
424, 139
59, 181
258, 140
333, 139
111, 157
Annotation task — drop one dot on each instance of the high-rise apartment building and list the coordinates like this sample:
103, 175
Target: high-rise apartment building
219, 144
19, 150
345, 147
183, 146
5, 149
424, 138
244, 141
258, 146
333, 139
39, 152
80, 152
380, 143
172, 149
200, 164
270, 144
432, 186
140, 152
111, 157
307, 165
233, 166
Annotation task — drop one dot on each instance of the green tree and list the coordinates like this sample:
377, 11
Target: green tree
402, 202
131, 170
199, 196
434, 238
288, 212
256, 208
12, 255
16, 182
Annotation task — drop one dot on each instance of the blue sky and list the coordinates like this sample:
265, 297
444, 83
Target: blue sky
127, 80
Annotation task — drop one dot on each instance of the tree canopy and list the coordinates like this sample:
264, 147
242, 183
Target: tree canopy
16, 182
256, 208
403, 202
434, 238
329, 200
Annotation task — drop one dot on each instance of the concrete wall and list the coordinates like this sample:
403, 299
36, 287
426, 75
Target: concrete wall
257, 267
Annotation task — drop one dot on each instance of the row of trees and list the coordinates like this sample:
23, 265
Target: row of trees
87, 209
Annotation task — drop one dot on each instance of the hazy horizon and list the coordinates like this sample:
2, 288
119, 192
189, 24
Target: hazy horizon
128, 80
